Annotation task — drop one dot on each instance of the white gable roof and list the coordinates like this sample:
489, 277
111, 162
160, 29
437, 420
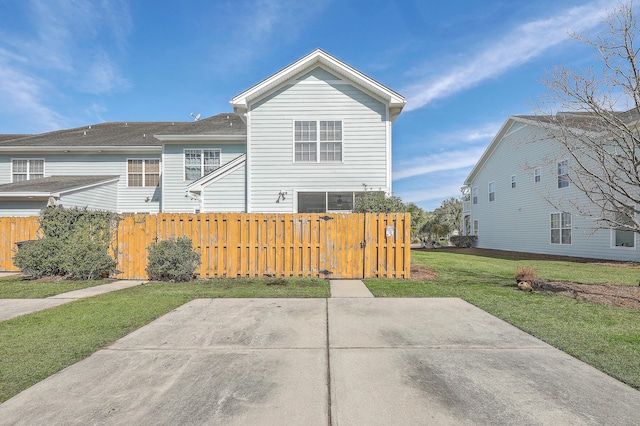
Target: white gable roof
318, 57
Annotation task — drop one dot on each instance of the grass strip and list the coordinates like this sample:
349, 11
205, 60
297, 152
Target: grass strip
605, 337
35, 346
16, 287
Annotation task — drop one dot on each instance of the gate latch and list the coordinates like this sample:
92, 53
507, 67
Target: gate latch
326, 218
326, 272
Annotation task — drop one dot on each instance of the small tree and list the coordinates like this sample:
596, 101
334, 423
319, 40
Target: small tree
602, 144
378, 202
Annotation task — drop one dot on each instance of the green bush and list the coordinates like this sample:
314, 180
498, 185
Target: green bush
75, 244
463, 240
172, 260
378, 202
39, 258
87, 258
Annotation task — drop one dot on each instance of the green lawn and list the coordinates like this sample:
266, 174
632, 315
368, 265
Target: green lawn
606, 337
34, 346
16, 287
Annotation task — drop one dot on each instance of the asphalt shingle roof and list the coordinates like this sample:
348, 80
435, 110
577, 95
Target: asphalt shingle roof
131, 133
53, 184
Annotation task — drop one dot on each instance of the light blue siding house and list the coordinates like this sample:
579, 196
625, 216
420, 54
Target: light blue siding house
518, 197
309, 138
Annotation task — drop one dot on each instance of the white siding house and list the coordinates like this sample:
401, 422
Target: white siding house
309, 138
519, 199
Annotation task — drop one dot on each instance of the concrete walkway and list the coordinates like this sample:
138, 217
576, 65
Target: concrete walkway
336, 361
349, 288
11, 308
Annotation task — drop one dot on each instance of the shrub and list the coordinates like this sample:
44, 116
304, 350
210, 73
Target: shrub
378, 202
463, 240
87, 258
172, 260
39, 258
75, 244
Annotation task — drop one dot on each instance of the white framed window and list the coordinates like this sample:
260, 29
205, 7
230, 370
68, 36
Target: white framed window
624, 236
561, 228
474, 195
537, 174
313, 137
514, 181
200, 162
563, 174
26, 169
143, 172
322, 201
492, 191
475, 227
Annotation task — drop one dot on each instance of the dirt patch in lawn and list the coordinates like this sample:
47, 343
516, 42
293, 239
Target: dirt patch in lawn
604, 293
607, 294
422, 273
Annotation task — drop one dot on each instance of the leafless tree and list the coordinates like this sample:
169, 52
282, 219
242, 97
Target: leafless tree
599, 127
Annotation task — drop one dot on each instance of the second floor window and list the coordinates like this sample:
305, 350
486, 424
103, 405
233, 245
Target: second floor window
26, 169
313, 137
563, 174
142, 172
492, 191
537, 174
474, 195
200, 162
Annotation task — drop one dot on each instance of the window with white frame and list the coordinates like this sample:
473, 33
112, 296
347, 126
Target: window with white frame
313, 137
26, 169
513, 181
474, 195
475, 227
624, 236
492, 191
563, 174
200, 162
321, 202
143, 172
560, 228
537, 174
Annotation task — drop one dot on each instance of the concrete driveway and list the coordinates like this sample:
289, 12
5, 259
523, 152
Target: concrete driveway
358, 361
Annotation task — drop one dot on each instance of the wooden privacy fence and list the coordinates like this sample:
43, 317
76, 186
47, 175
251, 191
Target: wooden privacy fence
257, 245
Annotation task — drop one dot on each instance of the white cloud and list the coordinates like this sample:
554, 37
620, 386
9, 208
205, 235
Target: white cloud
259, 25
66, 46
522, 44
448, 160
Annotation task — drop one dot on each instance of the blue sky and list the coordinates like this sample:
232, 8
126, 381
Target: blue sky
463, 65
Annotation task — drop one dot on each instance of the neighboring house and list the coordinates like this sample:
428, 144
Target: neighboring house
309, 138
518, 197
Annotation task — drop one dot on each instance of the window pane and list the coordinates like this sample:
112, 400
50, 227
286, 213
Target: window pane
555, 236
566, 236
340, 201
36, 166
192, 173
152, 166
135, 166
19, 177
305, 151
211, 160
305, 131
20, 166
566, 220
152, 179
624, 237
311, 202
555, 220
330, 151
135, 179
